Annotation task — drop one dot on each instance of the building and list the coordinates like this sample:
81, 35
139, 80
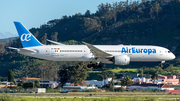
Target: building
8, 86
98, 83
43, 82
150, 86
79, 88
179, 79
5, 83
169, 79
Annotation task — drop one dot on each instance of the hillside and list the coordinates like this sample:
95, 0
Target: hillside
146, 23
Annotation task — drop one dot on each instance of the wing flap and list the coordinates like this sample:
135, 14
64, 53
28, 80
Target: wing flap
97, 52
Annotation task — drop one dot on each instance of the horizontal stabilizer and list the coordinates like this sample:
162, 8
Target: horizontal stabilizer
27, 50
23, 50
16, 49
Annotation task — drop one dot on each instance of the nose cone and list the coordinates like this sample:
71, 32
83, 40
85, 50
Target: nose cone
172, 56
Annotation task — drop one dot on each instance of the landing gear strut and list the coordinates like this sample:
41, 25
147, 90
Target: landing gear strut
161, 65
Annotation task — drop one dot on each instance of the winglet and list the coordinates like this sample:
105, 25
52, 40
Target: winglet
27, 39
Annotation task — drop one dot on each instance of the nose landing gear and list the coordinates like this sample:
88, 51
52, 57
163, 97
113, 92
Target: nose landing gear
161, 65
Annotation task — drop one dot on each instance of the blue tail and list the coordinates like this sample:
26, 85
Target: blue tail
27, 39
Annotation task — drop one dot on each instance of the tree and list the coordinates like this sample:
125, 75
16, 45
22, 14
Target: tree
63, 75
54, 36
79, 73
120, 89
48, 69
151, 12
75, 74
36, 34
0, 81
43, 39
2, 50
104, 75
87, 13
157, 8
154, 77
37, 83
26, 84
127, 81
108, 87
10, 76
113, 77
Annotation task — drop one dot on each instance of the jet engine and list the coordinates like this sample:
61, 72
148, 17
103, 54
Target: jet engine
121, 60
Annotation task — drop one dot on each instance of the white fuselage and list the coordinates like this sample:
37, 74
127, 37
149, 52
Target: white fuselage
82, 52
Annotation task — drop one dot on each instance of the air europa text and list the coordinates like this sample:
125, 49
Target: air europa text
137, 50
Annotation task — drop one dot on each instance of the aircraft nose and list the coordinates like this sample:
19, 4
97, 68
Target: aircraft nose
173, 56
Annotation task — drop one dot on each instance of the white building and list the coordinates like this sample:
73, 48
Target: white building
150, 86
99, 83
80, 88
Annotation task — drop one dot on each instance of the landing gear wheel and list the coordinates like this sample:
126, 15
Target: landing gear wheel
99, 66
95, 66
89, 65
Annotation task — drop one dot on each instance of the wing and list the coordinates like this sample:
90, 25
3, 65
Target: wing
57, 43
97, 52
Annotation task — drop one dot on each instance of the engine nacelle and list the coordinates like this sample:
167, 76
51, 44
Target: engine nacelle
121, 60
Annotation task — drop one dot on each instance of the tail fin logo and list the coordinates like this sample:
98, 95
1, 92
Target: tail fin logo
25, 37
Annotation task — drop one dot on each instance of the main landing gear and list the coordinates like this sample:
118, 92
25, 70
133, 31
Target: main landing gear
95, 66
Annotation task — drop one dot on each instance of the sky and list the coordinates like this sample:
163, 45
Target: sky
34, 13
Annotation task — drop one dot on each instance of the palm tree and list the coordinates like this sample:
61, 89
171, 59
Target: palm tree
127, 81
104, 75
113, 77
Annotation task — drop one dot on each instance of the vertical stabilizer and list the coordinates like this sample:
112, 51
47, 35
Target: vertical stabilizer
27, 39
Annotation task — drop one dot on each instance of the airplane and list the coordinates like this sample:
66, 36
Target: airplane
110, 54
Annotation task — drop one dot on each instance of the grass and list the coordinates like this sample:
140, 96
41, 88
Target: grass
93, 75
86, 99
122, 70
119, 70
98, 96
